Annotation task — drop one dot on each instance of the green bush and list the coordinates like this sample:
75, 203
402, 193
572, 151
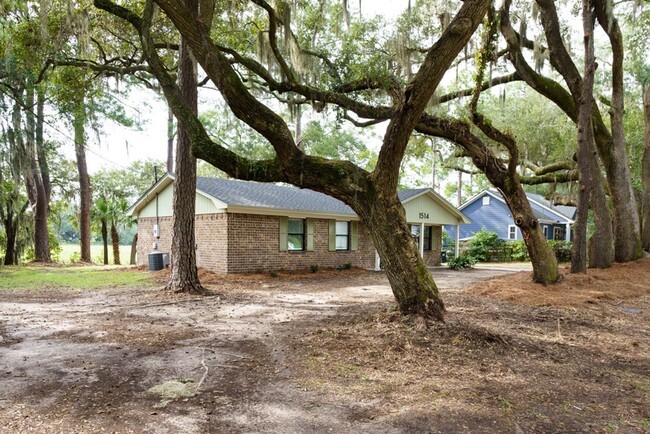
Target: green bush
313, 268
518, 251
483, 245
562, 250
463, 262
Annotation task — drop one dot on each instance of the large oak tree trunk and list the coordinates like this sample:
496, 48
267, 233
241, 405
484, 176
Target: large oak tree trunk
410, 280
646, 171
627, 230
585, 144
541, 256
184, 276
79, 122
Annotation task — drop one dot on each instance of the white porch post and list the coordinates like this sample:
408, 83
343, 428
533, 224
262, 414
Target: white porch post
422, 240
567, 234
457, 251
377, 262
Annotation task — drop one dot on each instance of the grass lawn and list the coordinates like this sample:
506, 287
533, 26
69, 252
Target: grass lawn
96, 253
92, 277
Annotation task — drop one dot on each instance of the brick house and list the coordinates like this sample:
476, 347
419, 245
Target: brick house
244, 226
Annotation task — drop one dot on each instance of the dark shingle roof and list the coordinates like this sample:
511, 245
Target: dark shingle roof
272, 196
567, 211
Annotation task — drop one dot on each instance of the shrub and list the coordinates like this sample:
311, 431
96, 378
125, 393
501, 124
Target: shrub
562, 250
347, 266
483, 244
273, 273
518, 251
313, 268
463, 262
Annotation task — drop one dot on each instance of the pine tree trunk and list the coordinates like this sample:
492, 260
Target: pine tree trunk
646, 171
134, 245
170, 141
115, 240
184, 276
84, 181
105, 240
410, 280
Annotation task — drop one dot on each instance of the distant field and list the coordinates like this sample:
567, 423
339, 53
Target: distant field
85, 277
96, 253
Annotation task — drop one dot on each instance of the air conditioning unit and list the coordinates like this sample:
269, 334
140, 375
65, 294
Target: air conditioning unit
165, 260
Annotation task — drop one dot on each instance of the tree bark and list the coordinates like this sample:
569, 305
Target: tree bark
410, 280
134, 245
184, 276
105, 240
626, 222
79, 122
541, 256
115, 240
40, 204
170, 140
646, 170
585, 155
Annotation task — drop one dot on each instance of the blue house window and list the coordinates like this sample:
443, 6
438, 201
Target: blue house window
486, 200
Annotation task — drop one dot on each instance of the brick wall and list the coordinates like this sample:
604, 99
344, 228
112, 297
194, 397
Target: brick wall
432, 257
211, 239
254, 246
146, 238
241, 243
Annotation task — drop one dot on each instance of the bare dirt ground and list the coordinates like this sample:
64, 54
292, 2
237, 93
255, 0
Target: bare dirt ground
326, 352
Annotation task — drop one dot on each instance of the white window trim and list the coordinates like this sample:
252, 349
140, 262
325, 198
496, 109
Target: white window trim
545, 230
510, 232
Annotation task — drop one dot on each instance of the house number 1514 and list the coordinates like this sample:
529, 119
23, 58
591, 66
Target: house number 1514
424, 215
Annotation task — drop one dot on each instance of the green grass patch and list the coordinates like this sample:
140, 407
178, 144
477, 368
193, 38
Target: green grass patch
34, 278
72, 252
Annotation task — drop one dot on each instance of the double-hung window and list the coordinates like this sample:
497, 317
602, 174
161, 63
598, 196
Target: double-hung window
415, 233
296, 234
342, 235
427, 238
512, 232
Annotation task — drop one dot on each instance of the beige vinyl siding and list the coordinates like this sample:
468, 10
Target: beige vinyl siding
432, 213
204, 205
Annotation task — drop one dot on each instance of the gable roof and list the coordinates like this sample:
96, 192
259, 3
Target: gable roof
265, 195
229, 193
550, 212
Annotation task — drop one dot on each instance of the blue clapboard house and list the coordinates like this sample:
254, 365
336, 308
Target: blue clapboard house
488, 209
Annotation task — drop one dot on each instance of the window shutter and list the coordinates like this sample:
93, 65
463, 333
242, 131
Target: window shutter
332, 235
354, 235
284, 232
309, 233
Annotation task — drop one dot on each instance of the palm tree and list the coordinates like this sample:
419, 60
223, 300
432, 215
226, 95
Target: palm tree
101, 213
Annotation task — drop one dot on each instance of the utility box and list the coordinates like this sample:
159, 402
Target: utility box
156, 261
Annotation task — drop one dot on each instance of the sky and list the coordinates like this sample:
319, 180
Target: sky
117, 146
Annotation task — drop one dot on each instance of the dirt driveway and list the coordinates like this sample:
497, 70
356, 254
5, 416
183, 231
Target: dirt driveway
258, 356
